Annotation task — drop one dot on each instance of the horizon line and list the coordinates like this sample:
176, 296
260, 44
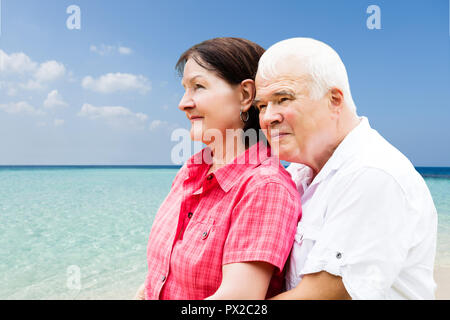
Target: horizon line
88, 166
132, 165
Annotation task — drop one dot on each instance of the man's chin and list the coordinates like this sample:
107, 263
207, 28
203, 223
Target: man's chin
280, 147
284, 156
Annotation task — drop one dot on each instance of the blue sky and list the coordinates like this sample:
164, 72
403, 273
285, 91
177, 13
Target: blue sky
57, 86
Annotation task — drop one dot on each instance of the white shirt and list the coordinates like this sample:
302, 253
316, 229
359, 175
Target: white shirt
369, 218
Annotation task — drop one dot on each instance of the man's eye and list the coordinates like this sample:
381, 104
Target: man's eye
283, 100
199, 86
261, 107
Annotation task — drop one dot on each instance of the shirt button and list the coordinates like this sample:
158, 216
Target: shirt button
163, 278
338, 255
204, 235
209, 177
190, 215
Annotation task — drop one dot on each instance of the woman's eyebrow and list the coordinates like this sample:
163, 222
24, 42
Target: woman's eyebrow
191, 79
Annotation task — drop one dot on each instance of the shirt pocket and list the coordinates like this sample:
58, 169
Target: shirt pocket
306, 232
200, 235
305, 238
199, 255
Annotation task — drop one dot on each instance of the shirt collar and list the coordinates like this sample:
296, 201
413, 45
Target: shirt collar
229, 174
351, 144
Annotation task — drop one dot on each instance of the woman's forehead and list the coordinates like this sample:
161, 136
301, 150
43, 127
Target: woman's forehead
192, 71
191, 66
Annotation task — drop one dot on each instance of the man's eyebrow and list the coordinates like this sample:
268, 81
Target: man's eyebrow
283, 93
277, 94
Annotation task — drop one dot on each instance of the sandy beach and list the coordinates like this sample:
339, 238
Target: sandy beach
442, 278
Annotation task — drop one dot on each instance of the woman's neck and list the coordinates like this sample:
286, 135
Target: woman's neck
225, 153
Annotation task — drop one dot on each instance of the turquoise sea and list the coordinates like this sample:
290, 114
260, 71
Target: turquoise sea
81, 232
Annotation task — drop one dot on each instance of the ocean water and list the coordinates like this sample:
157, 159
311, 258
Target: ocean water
81, 232
60, 223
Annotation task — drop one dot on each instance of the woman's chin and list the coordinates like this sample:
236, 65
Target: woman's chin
196, 135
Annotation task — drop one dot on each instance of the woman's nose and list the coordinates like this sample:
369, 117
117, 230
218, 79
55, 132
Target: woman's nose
186, 102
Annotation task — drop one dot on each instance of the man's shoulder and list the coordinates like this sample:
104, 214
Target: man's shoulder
380, 155
380, 162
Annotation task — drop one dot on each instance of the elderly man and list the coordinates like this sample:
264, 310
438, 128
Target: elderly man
369, 224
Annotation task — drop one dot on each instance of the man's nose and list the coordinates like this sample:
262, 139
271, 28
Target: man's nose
271, 116
186, 102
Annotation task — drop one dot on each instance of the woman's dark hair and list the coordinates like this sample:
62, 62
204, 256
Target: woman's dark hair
232, 59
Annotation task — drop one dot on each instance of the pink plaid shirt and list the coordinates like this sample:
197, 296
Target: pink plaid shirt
240, 213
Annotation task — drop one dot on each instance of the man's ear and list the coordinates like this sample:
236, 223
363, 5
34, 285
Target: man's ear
247, 91
336, 100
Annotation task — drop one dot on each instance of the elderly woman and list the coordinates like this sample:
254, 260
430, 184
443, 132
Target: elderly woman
227, 226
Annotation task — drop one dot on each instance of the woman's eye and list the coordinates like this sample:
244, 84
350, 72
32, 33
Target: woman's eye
199, 86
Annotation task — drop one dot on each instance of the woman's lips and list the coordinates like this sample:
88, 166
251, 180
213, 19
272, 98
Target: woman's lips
195, 119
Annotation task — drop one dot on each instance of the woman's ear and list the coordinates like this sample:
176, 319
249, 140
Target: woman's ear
247, 94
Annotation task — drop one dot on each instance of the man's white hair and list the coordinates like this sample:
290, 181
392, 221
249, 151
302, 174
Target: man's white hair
316, 59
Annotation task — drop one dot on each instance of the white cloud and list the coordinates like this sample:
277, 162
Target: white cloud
16, 63
117, 82
32, 85
20, 63
155, 124
49, 71
104, 49
116, 116
23, 73
9, 88
21, 107
58, 122
125, 50
54, 100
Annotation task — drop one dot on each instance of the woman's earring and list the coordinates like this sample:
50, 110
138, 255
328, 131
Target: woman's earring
244, 114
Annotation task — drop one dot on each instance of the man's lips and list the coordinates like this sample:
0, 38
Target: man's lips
278, 135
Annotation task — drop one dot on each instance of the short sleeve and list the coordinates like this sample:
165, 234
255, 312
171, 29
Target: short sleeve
263, 225
366, 235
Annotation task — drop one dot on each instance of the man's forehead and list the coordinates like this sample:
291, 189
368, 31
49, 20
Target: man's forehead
282, 82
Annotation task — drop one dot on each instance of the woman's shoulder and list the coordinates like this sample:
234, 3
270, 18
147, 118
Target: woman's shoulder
181, 175
269, 188
269, 172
